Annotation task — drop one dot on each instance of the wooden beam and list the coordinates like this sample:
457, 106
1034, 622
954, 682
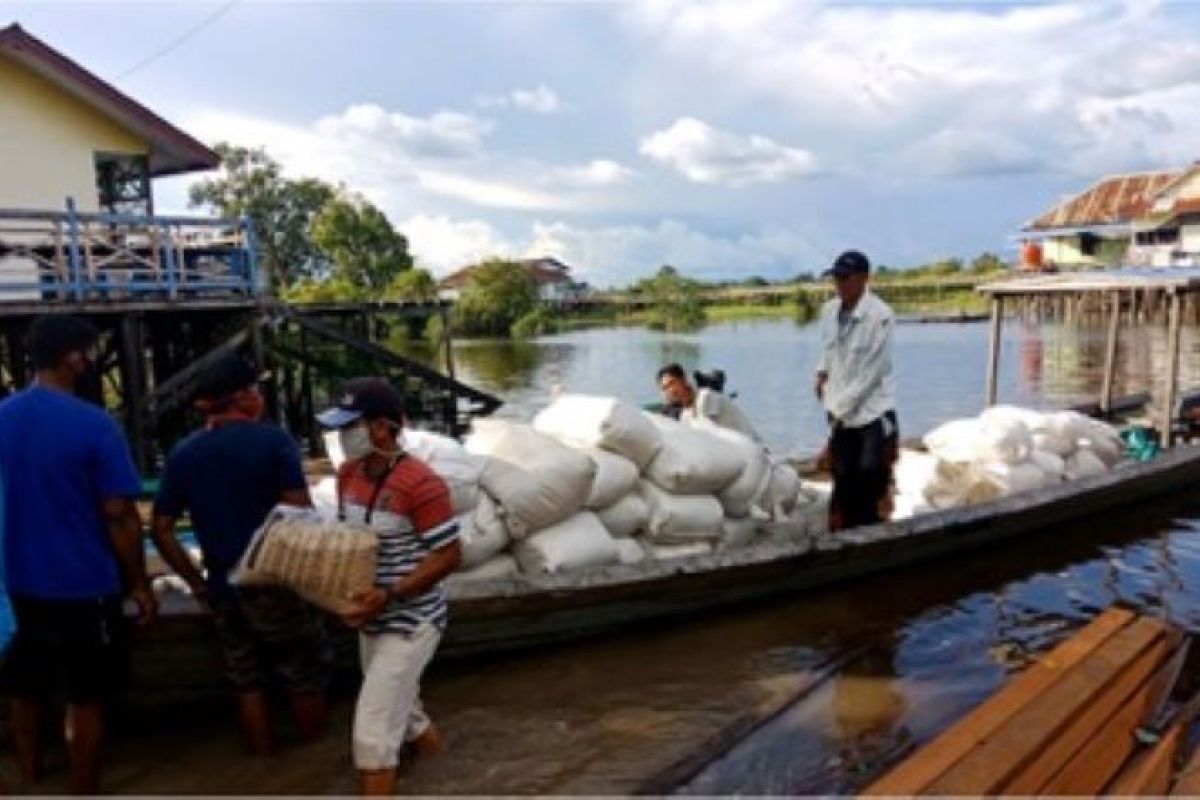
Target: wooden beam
1110, 354
993, 365
1171, 380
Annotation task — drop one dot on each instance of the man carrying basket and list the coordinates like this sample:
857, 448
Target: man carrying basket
401, 619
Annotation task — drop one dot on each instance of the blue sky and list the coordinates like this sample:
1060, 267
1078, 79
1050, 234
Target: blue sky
730, 137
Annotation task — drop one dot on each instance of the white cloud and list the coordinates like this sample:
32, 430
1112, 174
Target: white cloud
1011, 77
490, 193
614, 255
953, 152
704, 154
538, 100
445, 134
596, 174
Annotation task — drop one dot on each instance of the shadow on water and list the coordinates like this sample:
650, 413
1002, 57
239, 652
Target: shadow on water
943, 637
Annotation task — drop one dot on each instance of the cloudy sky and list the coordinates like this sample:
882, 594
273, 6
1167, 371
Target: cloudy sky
731, 138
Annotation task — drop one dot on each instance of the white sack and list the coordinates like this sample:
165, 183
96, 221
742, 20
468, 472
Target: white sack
625, 517
602, 422
1003, 442
1007, 415
630, 551
751, 483
737, 533
503, 566
535, 479
1051, 441
957, 484
914, 471
482, 534
954, 440
1084, 464
783, 491
665, 552
1053, 465
677, 517
580, 541
450, 461
1015, 478
1108, 450
692, 461
616, 476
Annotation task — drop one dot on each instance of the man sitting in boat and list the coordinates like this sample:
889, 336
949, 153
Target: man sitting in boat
681, 400
855, 382
402, 619
228, 476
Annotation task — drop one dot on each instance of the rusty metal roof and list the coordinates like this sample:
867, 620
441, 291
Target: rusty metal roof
1112, 200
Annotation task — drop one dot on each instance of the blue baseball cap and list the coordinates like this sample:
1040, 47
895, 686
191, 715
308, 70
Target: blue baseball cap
364, 398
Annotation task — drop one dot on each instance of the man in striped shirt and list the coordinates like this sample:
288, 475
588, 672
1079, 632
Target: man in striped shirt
402, 619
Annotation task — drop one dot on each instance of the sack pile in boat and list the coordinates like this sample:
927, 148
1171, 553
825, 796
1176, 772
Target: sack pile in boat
594, 481
1003, 451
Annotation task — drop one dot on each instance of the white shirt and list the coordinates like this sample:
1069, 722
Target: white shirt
856, 354
720, 410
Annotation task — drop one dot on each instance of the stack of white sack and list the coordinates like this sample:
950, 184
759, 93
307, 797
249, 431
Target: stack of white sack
1004, 451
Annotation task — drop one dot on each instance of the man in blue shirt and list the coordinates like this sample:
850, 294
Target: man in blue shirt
228, 476
73, 541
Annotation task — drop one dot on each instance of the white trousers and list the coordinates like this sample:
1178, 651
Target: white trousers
389, 711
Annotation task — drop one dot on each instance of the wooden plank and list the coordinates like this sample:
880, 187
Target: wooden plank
997, 760
1149, 772
1106, 728
1187, 783
936, 758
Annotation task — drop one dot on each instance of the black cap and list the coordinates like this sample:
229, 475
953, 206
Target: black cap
364, 398
850, 262
228, 374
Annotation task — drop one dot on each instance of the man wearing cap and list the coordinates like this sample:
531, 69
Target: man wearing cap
228, 476
402, 619
856, 384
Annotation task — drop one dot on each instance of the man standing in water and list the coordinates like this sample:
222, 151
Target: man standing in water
402, 619
228, 476
73, 541
856, 383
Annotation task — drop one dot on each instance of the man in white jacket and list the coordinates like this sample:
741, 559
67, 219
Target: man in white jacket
855, 382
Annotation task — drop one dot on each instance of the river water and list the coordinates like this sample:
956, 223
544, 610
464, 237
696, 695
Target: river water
925, 646
940, 368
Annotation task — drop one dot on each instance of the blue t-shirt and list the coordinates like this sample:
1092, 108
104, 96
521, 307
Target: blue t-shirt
228, 478
7, 625
61, 458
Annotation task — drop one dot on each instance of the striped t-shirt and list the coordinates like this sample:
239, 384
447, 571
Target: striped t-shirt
412, 517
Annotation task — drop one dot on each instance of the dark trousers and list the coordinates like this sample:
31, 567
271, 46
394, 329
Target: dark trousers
862, 461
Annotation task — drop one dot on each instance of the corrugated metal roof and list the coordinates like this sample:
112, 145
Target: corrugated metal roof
1112, 200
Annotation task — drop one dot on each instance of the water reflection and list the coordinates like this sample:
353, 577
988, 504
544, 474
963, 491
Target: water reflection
941, 640
940, 368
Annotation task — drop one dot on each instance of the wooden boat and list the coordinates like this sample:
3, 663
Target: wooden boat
178, 655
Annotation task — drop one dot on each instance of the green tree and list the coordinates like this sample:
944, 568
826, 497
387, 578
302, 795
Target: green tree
413, 286
280, 211
497, 294
360, 241
985, 263
330, 289
675, 300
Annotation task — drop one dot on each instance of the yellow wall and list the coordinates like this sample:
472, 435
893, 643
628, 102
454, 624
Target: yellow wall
48, 141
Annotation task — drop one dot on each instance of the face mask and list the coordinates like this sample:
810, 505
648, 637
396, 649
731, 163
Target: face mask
355, 443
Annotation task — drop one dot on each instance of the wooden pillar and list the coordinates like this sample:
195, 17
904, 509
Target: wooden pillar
993, 365
1110, 353
133, 387
1172, 377
308, 421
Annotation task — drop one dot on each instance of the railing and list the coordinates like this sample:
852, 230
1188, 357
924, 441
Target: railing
72, 256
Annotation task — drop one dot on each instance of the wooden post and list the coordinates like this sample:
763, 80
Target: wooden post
993, 365
133, 388
1172, 377
1110, 353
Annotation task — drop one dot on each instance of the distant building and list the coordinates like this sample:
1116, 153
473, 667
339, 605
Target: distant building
67, 133
1142, 219
551, 277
